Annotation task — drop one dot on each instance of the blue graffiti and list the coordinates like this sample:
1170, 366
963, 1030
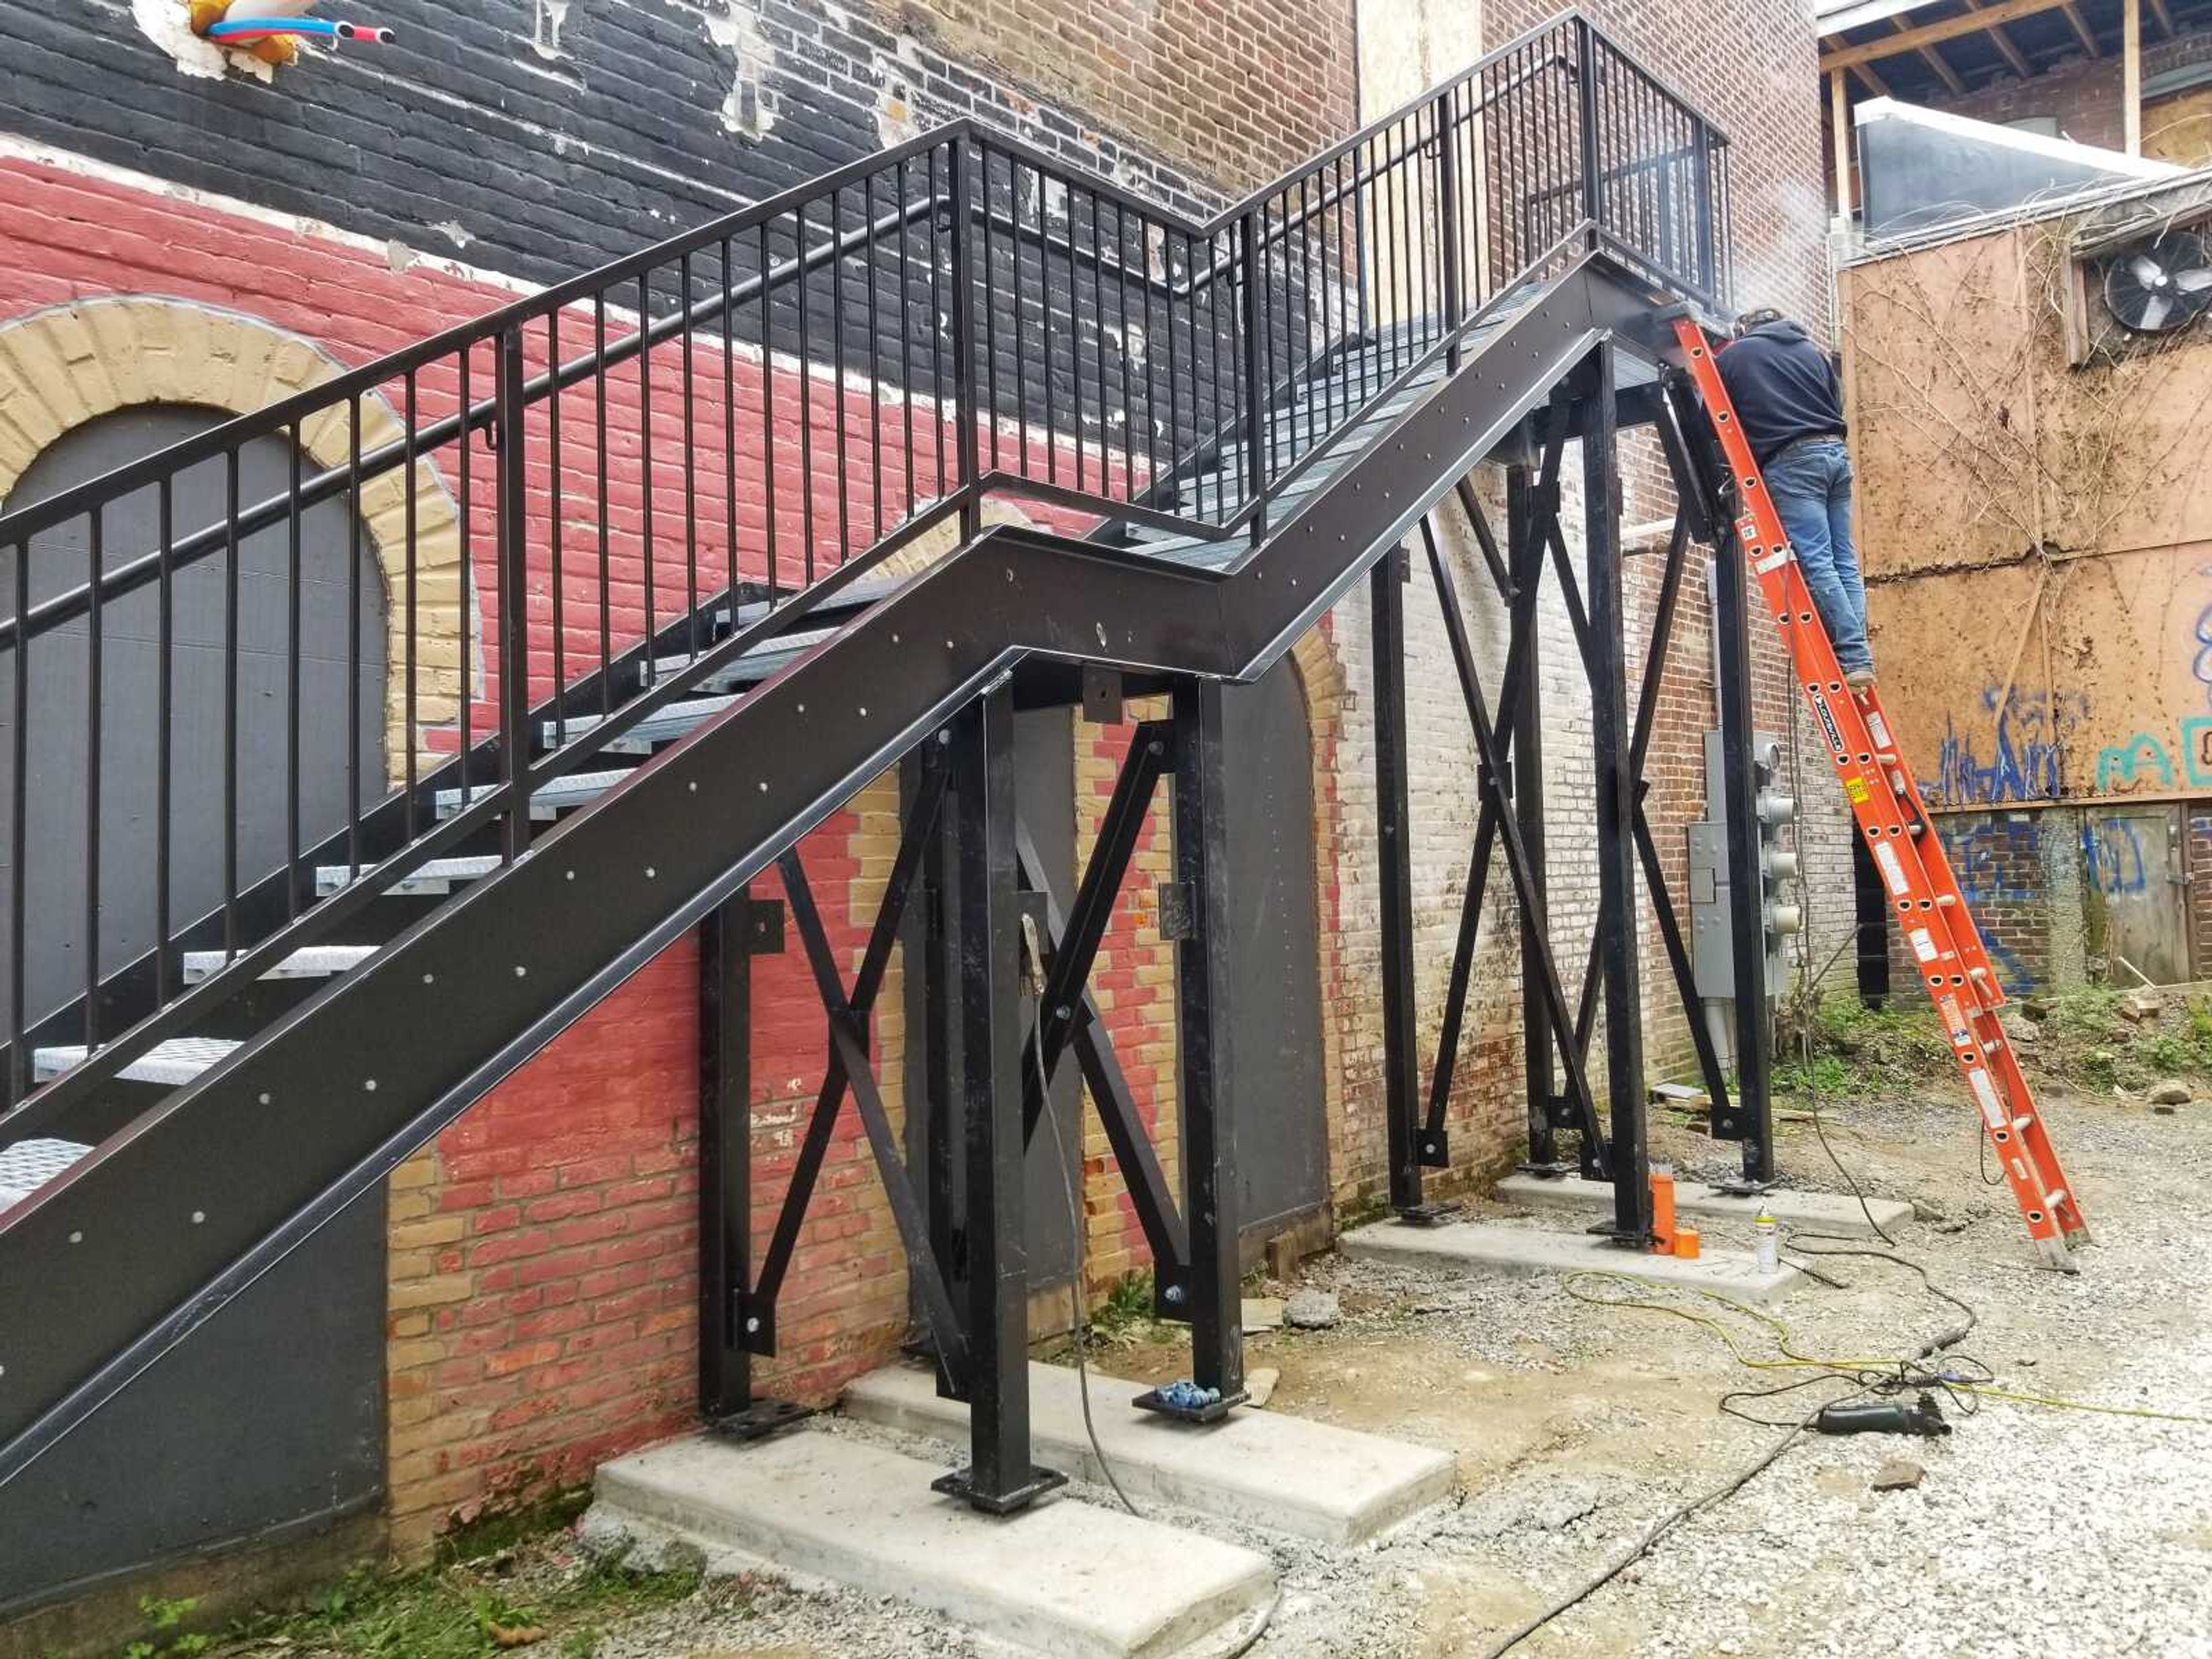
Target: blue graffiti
2201, 664
1996, 860
2012, 973
2028, 737
2113, 855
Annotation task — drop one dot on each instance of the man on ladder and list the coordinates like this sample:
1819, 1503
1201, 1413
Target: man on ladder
1787, 394
1796, 542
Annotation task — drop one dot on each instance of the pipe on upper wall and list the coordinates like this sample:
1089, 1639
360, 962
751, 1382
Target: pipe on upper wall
257, 28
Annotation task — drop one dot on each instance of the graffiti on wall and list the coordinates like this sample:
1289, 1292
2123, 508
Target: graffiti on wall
2112, 853
2200, 661
2026, 741
2013, 974
1995, 859
1998, 861
2142, 760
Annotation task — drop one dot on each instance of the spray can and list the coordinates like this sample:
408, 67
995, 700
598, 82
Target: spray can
1766, 1233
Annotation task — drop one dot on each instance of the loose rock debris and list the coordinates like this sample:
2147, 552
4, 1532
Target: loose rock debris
1898, 1474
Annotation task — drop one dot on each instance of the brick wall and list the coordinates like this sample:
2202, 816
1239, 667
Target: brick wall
2085, 93
1753, 69
1236, 92
541, 1262
542, 1250
2000, 858
592, 129
2199, 856
2023, 877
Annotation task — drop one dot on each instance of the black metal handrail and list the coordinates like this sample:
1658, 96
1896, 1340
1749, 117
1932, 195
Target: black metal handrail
974, 285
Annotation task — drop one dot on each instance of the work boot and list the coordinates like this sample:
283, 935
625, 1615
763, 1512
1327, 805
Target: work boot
1859, 679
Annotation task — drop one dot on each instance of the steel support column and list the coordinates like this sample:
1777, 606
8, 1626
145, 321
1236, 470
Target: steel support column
999, 1478
1754, 1103
1524, 545
1410, 1145
935, 962
1610, 740
1204, 1032
728, 938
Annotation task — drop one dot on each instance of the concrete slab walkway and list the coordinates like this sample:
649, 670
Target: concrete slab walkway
1811, 1213
1502, 1247
1263, 1468
1062, 1577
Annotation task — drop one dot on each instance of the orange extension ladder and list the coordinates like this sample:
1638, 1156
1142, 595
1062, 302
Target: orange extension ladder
1887, 804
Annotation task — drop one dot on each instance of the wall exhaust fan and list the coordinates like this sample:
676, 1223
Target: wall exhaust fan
2161, 285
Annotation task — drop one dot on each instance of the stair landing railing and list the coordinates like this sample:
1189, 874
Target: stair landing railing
751, 418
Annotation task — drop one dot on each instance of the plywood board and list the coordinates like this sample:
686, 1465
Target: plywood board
2037, 535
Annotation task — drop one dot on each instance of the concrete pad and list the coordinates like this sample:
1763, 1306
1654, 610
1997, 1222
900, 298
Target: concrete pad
1811, 1213
1061, 1578
1262, 1468
1508, 1249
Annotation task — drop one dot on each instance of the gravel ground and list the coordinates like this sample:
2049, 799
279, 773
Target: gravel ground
2036, 1530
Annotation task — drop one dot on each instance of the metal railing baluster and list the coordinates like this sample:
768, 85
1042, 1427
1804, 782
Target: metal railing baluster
1432, 213
94, 552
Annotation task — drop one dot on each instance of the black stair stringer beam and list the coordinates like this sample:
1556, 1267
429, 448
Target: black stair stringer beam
126, 992
1439, 441
110, 1266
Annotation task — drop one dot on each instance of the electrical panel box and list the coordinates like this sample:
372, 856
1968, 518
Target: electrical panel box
1712, 939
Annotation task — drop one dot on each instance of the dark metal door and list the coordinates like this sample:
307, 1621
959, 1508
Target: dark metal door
1275, 1085
179, 1463
130, 668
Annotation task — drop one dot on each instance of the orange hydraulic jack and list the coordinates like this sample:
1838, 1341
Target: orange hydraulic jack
1886, 802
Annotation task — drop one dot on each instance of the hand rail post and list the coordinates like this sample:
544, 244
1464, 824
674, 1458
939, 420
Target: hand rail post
1586, 113
1447, 214
1702, 139
963, 344
511, 504
1254, 392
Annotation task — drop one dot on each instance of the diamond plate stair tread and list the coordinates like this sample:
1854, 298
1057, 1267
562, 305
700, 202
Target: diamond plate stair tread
175, 1063
435, 876
562, 795
315, 962
29, 1164
676, 721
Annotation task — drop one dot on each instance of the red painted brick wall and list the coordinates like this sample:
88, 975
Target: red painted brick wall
542, 1264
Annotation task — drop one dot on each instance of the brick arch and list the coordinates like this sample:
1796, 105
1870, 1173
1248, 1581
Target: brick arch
68, 364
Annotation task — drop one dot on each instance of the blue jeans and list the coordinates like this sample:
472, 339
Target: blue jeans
1811, 484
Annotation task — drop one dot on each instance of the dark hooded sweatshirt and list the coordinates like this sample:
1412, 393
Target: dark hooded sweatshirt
1783, 386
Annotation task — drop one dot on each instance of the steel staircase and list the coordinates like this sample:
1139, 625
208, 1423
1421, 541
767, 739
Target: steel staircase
1336, 352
